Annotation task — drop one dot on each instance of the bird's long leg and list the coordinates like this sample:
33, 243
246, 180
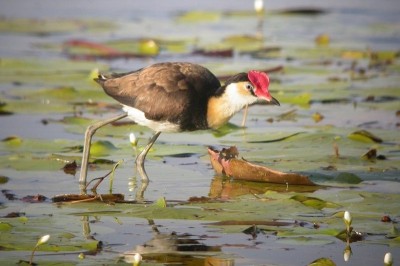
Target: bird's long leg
88, 139
245, 115
142, 155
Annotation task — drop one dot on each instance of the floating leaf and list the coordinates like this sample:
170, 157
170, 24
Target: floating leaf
3, 179
148, 47
348, 178
198, 16
315, 202
317, 117
64, 73
54, 26
4, 227
160, 203
80, 49
364, 136
322, 262
12, 140
302, 99
322, 39
101, 147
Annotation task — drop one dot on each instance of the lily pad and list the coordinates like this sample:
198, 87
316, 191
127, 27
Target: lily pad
54, 26
364, 136
348, 178
198, 16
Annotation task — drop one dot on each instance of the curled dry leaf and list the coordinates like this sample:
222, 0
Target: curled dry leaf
241, 169
34, 199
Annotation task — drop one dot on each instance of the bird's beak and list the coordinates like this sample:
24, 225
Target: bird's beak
274, 101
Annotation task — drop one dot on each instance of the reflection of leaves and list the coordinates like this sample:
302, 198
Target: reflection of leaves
302, 240
70, 168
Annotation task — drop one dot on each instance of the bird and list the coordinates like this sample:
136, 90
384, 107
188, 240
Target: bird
177, 97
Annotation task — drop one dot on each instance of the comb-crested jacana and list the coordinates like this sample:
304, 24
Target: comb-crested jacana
175, 97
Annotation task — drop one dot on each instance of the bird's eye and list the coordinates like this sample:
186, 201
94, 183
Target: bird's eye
249, 86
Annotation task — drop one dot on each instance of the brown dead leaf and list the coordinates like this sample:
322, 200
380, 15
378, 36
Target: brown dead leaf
14, 214
240, 169
34, 199
86, 197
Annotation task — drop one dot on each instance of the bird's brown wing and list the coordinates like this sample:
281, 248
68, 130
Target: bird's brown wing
162, 91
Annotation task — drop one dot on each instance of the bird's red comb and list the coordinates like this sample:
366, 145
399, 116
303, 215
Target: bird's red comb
259, 79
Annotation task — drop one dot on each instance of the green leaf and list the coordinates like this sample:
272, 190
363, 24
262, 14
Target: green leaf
160, 203
364, 136
322, 262
4, 227
198, 16
348, 178
101, 147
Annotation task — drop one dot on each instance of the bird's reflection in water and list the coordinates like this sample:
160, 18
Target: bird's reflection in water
172, 247
133, 183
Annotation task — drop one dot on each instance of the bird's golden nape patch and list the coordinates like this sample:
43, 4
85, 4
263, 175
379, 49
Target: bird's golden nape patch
235, 97
243, 89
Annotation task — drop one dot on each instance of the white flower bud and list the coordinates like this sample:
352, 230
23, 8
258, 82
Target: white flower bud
388, 260
43, 239
259, 6
137, 259
347, 219
133, 139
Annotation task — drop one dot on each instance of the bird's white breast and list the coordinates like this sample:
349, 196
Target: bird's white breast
139, 117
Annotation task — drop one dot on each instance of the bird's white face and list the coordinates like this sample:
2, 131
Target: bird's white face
241, 94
